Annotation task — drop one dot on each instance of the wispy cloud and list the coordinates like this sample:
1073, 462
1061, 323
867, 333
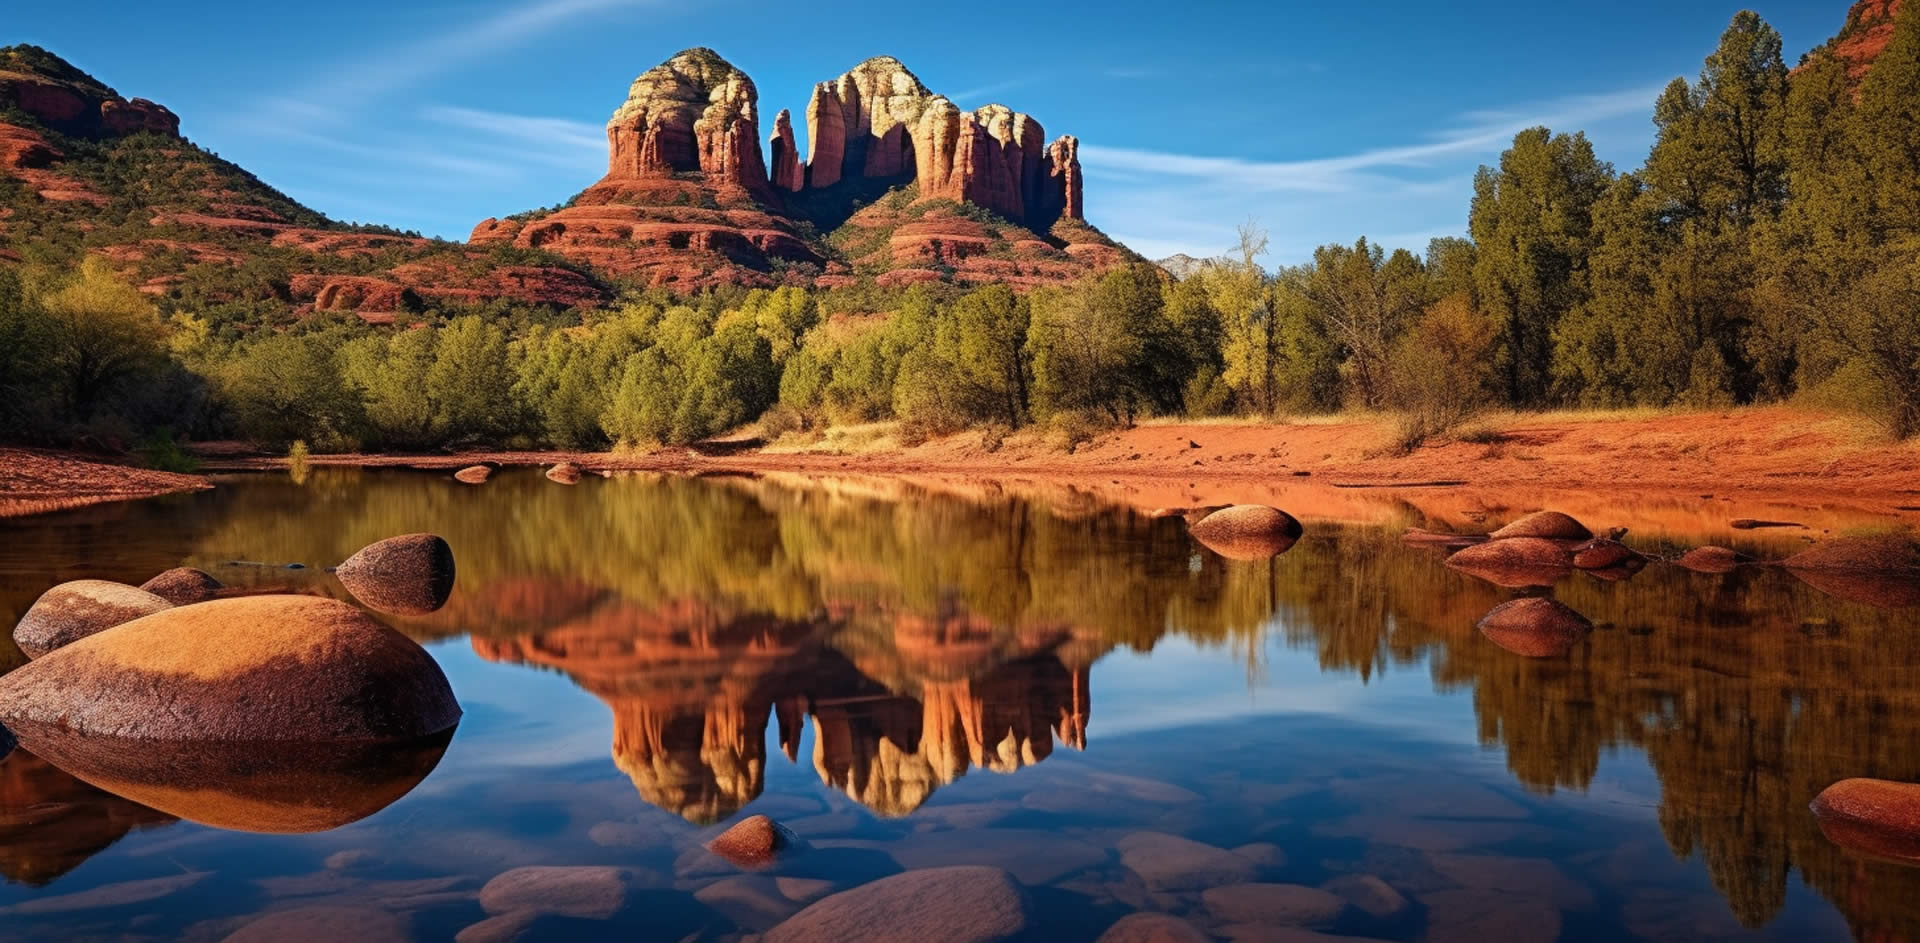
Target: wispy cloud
1482, 132
984, 91
559, 142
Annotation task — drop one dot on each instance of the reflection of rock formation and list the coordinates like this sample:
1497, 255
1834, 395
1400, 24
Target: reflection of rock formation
51, 822
691, 693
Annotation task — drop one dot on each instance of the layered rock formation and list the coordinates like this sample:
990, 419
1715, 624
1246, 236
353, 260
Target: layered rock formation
1868, 29
688, 200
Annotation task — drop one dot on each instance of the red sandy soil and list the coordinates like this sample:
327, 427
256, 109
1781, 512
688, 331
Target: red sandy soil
1687, 474
32, 481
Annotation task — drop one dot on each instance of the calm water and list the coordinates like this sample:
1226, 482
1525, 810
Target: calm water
910, 679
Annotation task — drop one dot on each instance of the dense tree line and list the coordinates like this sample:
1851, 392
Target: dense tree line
1768, 249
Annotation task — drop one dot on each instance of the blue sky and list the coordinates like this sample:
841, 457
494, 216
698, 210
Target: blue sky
1323, 121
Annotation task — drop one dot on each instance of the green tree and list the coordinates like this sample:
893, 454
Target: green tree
470, 382
103, 333
1364, 299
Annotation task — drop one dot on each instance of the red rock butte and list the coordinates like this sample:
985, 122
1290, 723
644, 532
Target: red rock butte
688, 198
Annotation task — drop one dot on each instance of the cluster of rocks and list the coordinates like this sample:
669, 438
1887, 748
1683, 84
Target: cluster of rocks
165, 692
563, 473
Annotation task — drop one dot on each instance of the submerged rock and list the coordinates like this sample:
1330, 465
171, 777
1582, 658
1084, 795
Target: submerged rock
1247, 531
1536, 627
1515, 561
566, 473
1152, 928
1891, 589
1876, 817
266, 669
590, 892
72, 611
1712, 560
410, 575
1172, 863
754, 842
184, 585
473, 474
1285, 905
354, 922
1549, 525
967, 904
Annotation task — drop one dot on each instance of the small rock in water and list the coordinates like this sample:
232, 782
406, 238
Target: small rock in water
1876, 817
109, 896
1514, 561
473, 474
565, 473
1748, 523
1172, 863
410, 575
296, 566
1548, 525
1712, 560
1285, 905
1247, 531
590, 892
1603, 553
1369, 895
754, 842
183, 585
72, 611
355, 923
1535, 627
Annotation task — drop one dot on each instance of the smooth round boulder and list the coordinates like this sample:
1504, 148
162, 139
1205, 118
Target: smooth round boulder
1876, 817
964, 904
1549, 525
1535, 627
261, 669
1712, 559
566, 473
1514, 561
72, 611
184, 586
754, 842
410, 575
1247, 531
473, 474
1886, 553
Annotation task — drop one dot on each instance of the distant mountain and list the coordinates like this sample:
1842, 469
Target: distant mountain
899, 184
1183, 266
1866, 32
84, 170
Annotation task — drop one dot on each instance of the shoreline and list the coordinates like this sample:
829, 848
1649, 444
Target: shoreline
37, 481
1695, 472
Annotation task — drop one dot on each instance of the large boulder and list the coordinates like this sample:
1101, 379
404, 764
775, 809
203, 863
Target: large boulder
265, 669
1247, 531
183, 586
291, 788
1885, 553
1872, 816
1535, 626
754, 843
965, 904
410, 575
72, 611
1515, 561
1550, 525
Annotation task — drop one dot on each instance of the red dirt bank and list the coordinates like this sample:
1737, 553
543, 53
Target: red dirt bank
32, 481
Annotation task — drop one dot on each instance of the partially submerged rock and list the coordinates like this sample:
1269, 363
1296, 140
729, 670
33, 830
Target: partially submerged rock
410, 575
1882, 553
1875, 817
1535, 627
566, 473
588, 892
72, 611
1550, 525
1247, 531
1515, 561
965, 904
473, 474
1148, 927
265, 669
183, 586
1602, 553
1712, 559
754, 843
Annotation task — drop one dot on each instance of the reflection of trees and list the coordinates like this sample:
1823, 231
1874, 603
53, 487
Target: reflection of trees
1748, 692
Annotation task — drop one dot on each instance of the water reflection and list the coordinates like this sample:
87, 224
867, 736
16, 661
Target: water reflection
916, 636
51, 821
